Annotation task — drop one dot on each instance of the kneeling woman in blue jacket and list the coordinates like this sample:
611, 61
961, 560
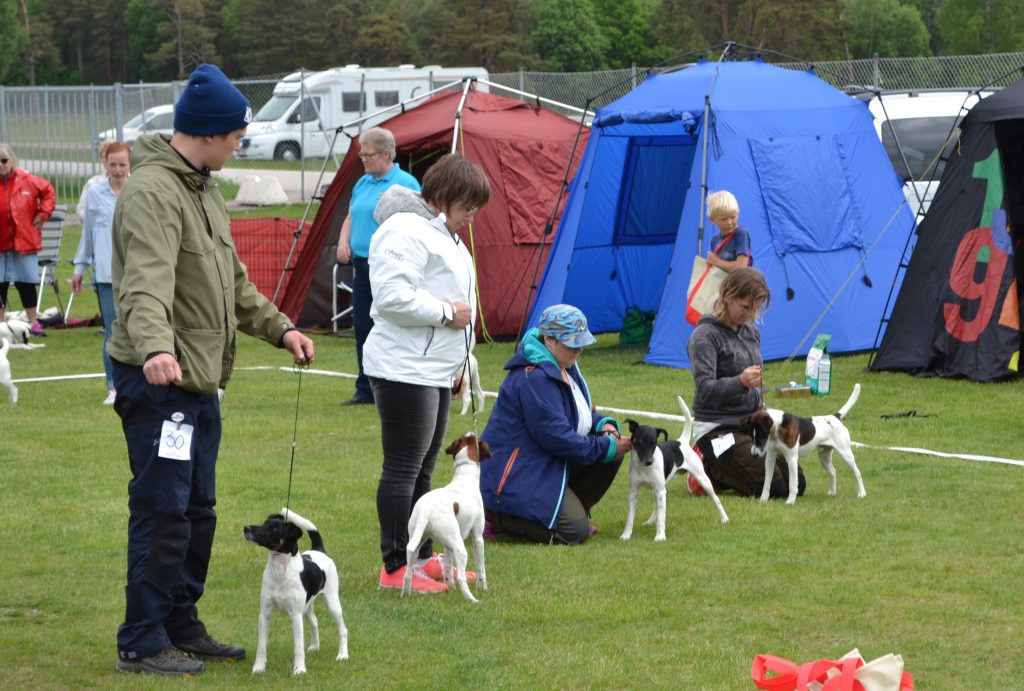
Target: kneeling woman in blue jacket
553, 456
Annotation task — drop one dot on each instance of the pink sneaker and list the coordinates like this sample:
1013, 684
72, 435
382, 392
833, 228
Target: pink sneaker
35, 328
434, 568
691, 482
421, 583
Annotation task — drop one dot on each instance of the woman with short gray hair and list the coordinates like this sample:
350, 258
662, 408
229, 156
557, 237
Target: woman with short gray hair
378, 139
377, 152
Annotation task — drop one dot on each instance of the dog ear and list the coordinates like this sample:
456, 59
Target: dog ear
454, 447
485, 450
633, 424
662, 433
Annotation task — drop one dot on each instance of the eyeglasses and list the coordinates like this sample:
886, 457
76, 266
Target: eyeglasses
472, 211
367, 157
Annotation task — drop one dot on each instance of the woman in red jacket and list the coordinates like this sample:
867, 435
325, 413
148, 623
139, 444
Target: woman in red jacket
26, 201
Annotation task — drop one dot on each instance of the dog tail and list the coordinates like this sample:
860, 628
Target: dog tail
688, 421
6, 345
844, 411
307, 525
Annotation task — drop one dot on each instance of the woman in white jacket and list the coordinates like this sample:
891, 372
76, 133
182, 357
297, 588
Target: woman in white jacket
424, 307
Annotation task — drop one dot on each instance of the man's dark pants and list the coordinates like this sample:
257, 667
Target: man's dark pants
171, 512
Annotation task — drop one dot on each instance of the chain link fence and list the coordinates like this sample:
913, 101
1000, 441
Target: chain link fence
56, 131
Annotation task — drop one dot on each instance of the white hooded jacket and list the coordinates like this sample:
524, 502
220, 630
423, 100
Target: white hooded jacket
418, 268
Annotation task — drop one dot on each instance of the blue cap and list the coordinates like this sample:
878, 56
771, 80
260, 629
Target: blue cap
567, 324
210, 104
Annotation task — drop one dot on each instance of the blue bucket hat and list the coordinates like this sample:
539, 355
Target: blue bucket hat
210, 104
567, 324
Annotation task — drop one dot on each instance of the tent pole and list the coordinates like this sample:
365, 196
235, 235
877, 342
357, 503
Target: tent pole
458, 116
550, 227
536, 98
728, 50
302, 223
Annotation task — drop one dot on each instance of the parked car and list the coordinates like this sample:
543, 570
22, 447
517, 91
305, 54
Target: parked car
918, 124
156, 119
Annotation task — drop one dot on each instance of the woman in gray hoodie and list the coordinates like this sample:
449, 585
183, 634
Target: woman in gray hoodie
725, 357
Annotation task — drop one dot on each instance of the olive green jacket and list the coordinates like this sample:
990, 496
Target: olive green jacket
179, 286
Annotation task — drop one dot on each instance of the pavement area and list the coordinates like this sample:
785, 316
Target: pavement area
298, 185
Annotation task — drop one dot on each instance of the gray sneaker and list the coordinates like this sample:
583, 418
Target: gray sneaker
209, 648
171, 662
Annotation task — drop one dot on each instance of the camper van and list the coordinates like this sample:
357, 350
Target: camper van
288, 127
918, 123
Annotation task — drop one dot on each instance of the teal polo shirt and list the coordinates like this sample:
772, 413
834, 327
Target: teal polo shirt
364, 201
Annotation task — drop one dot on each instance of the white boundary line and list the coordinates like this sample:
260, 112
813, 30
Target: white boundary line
679, 418
60, 378
638, 413
940, 454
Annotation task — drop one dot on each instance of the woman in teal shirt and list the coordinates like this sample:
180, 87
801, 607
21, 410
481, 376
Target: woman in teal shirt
377, 152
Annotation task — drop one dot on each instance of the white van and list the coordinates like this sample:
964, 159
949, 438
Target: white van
158, 119
288, 127
919, 123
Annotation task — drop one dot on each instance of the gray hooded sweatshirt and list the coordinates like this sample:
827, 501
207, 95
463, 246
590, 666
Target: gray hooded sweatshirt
718, 355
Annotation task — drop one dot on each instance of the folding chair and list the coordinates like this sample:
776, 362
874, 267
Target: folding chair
339, 287
49, 255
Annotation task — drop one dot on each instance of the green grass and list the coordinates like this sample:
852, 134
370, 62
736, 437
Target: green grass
927, 565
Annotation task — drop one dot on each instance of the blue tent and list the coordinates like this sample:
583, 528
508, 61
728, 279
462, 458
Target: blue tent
824, 207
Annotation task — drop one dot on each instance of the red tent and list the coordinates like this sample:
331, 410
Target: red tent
524, 149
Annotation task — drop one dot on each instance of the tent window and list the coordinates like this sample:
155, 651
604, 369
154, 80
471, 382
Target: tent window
824, 219
653, 190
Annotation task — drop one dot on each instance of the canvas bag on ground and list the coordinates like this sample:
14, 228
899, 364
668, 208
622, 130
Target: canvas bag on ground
705, 280
848, 673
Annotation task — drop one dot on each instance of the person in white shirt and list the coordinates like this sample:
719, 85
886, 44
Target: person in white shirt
95, 245
424, 306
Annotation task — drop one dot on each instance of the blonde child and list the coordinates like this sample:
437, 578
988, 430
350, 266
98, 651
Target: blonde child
724, 212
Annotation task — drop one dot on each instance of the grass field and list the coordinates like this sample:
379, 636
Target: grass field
928, 565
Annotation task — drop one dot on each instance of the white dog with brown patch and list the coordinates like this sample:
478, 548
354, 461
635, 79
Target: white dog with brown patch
776, 434
5, 371
449, 514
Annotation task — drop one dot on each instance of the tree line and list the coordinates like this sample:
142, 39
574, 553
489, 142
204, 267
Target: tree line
107, 41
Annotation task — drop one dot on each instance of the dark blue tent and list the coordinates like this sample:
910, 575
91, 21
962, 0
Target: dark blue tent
825, 210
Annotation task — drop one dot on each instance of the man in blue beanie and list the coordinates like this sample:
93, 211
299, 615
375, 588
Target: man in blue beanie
181, 297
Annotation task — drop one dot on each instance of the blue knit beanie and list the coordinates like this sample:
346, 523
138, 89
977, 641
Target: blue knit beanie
210, 104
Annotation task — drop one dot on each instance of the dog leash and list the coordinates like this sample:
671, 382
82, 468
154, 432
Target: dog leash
467, 380
907, 413
295, 434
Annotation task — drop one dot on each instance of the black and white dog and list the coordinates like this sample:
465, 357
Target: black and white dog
653, 463
777, 434
291, 583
